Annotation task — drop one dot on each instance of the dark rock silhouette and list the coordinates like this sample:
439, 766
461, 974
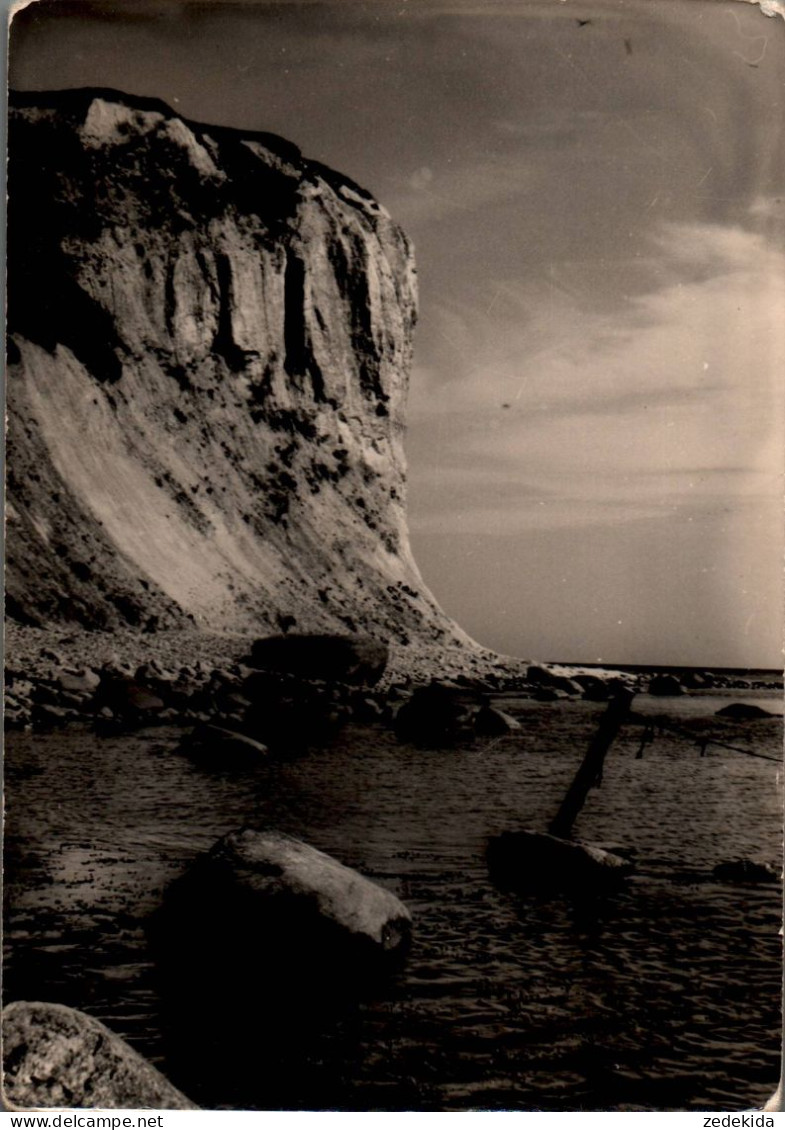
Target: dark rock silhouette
128, 702
437, 716
665, 685
287, 914
548, 694
544, 678
743, 712
216, 746
265, 949
492, 722
54, 1056
537, 861
697, 680
355, 659
290, 714
595, 689
745, 871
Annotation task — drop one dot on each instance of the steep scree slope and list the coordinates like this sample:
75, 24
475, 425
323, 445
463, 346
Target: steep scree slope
210, 339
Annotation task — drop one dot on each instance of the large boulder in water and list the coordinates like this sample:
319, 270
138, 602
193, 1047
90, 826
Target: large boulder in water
743, 712
437, 716
289, 714
490, 722
287, 916
222, 748
537, 861
54, 1056
356, 659
265, 949
745, 871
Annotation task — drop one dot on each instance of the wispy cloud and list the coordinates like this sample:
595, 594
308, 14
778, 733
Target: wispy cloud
425, 195
583, 417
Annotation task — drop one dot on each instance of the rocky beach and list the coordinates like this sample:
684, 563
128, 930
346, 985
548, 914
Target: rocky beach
259, 785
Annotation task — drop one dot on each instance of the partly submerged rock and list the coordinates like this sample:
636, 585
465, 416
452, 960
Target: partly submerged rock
265, 949
547, 694
745, 871
492, 722
54, 1056
437, 716
220, 747
743, 712
286, 916
290, 715
537, 861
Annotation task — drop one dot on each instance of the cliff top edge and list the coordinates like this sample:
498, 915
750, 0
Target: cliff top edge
75, 102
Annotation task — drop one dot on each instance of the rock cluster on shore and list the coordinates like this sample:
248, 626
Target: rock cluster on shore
291, 691
270, 704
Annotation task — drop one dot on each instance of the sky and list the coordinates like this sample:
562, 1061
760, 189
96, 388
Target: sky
596, 195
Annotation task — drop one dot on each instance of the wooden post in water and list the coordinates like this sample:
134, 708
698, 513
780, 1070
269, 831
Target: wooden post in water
590, 770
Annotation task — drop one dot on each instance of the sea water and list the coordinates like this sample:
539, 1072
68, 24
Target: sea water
663, 996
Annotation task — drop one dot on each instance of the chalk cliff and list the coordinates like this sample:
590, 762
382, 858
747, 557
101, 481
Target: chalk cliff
209, 346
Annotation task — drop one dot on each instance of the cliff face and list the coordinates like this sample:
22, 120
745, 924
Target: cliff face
210, 338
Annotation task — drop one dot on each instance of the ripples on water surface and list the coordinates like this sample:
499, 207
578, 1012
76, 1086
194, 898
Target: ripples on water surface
664, 997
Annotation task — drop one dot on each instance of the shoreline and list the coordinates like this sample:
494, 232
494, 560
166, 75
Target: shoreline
57, 676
